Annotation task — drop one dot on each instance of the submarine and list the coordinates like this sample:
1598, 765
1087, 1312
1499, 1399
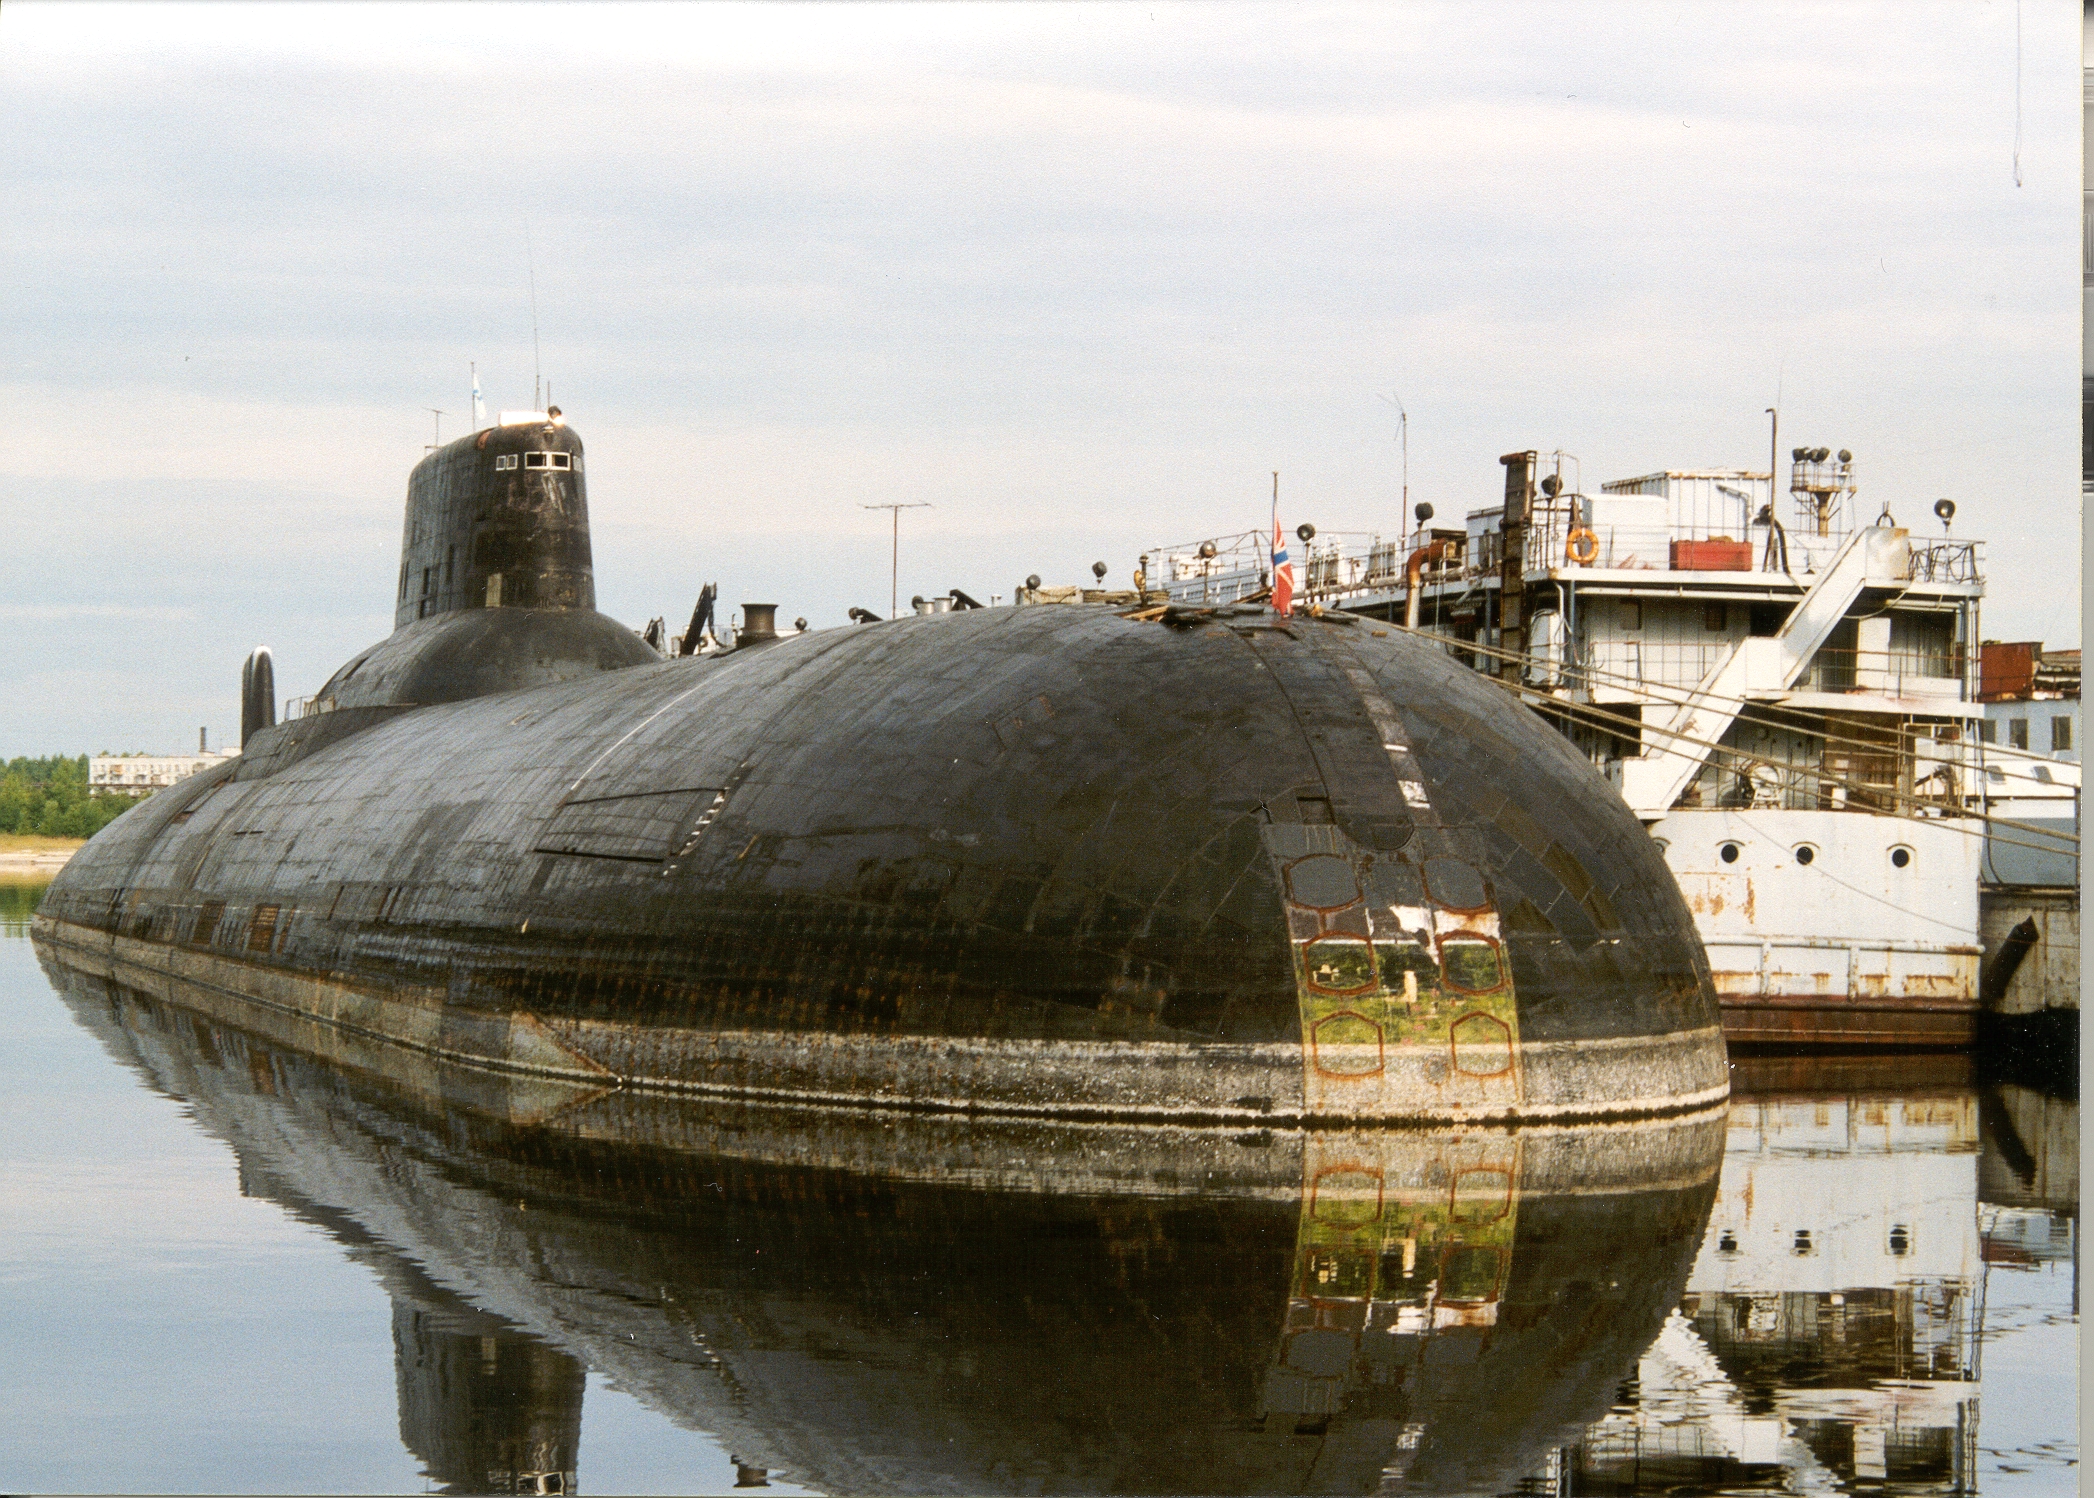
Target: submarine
935, 1303
1072, 860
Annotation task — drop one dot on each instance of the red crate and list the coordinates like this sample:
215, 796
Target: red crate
1712, 556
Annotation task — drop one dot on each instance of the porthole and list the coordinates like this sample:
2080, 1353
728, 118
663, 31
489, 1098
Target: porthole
1900, 857
1664, 846
1806, 854
1728, 852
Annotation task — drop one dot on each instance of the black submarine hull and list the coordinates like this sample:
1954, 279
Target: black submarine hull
940, 1304
1042, 860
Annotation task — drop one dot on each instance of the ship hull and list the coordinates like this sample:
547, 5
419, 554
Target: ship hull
1046, 860
940, 1304
1834, 927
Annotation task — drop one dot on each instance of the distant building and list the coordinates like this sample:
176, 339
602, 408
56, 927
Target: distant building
2031, 698
132, 774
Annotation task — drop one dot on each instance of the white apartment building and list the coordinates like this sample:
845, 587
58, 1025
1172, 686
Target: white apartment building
131, 774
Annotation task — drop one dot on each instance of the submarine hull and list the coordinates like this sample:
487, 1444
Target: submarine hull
1048, 860
914, 1304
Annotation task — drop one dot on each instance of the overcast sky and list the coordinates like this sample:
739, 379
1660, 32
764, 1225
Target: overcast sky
1080, 277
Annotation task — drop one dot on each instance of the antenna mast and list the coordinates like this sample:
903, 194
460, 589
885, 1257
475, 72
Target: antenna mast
439, 415
894, 589
1403, 438
531, 264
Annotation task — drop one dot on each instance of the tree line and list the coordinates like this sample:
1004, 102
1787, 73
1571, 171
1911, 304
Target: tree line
49, 797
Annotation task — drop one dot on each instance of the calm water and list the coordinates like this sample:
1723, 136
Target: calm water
230, 1264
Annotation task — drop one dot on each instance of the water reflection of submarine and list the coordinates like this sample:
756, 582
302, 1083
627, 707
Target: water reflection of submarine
1074, 859
932, 1303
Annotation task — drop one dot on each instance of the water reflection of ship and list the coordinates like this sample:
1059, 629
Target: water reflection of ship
926, 1303
1834, 1322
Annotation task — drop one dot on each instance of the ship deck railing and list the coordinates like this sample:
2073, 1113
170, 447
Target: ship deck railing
1339, 567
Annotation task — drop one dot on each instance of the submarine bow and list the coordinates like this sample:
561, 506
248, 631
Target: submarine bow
1221, 865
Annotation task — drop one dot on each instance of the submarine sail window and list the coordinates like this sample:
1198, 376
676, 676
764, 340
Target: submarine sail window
504, 460
547, 460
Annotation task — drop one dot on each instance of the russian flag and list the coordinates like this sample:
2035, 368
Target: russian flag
1282, 571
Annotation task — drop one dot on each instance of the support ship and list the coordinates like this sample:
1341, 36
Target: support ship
1785, 694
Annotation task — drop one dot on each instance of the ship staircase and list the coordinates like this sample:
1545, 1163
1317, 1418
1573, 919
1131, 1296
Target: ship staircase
1758, 667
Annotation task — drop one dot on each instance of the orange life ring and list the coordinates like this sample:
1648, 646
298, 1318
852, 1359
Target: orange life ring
1583, 547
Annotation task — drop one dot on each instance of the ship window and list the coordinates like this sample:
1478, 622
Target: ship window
559, 460
547, 460
2060, 735
1900, 1241
1802, 1246
1900, 857
1988, 731
1806, 854
1996, 774
1715, 616
504, 460
1728, 852
1632, 615
2042, 773
2018, 733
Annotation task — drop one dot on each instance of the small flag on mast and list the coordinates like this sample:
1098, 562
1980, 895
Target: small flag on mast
479, 413
1282, 568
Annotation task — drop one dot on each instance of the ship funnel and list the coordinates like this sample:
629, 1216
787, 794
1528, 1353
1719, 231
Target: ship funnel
759, 624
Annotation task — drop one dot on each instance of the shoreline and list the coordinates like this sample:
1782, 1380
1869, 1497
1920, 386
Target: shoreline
20, 855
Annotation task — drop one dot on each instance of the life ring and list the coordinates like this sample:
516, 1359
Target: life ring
1583, 547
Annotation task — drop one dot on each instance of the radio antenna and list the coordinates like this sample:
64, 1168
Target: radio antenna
1403, 437
894, 591
531, 265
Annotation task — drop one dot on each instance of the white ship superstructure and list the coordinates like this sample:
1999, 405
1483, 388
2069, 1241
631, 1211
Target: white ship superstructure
1783, 689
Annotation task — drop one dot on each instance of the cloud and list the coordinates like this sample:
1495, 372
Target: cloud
1080, 276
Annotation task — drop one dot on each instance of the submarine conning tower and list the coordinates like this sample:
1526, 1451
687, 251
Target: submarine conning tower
499, 519
496, 590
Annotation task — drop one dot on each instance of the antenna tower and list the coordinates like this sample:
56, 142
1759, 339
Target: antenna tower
531, 265
894, 590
